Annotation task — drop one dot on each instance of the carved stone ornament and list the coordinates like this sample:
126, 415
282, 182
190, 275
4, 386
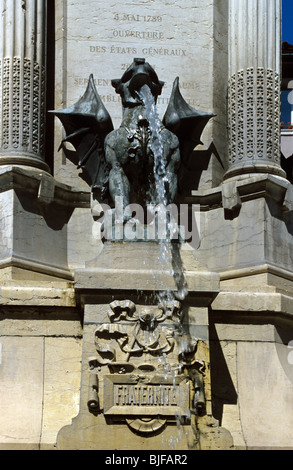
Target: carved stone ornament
164, 380
254, 109
23, 82
137, 332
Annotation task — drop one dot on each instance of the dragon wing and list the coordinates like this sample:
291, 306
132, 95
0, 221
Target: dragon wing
186, 123
87, 123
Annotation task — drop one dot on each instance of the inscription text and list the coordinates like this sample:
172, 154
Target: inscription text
146, 395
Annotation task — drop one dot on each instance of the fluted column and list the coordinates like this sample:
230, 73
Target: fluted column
254, 87
22, 82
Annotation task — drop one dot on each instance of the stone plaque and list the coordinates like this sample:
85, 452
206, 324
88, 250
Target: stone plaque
131, 395
102, 38
161, 379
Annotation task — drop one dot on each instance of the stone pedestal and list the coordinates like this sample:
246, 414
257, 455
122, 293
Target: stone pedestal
23, 83
35, 211
254, 228
145, 368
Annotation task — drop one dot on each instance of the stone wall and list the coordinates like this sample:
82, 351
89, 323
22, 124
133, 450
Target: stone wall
40, 372
252, 378
57, 280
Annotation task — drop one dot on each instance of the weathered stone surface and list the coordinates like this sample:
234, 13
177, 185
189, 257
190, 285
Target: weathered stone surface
34, 228
83, 238
40, 380
37, 293
62, 366
264, 394
224, 379
253, 380
259, 234
213, 437
254, 302
130, 264
22, 388
39, 321
93, 434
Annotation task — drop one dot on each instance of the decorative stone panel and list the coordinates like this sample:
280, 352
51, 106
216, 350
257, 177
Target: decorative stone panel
23, 82
254, 87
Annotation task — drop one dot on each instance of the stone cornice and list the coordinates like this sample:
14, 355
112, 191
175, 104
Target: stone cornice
254, 302
42, 186
244, 188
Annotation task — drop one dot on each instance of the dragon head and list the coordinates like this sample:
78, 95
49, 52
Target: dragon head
138, 74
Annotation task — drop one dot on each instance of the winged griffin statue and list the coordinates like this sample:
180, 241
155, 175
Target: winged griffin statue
121, 162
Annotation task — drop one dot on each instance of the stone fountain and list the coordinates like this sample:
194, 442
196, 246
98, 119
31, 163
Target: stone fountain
145, 365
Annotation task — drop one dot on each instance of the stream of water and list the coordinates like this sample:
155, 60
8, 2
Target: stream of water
160, 196
157, 145
160, 199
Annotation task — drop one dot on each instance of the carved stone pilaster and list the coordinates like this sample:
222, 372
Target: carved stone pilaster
254, 87
22, 82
